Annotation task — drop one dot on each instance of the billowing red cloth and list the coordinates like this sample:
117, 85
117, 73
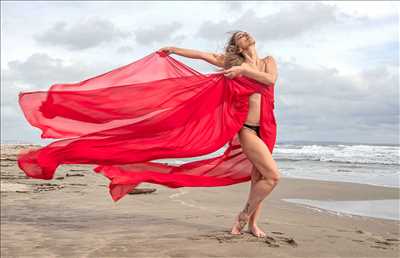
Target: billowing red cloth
153, 108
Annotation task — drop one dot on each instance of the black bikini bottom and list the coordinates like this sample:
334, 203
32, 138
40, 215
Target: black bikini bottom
255, 128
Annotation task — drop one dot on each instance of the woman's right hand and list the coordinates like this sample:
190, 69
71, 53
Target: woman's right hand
167, 50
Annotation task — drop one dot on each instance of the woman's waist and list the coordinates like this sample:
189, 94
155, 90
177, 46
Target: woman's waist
256, 104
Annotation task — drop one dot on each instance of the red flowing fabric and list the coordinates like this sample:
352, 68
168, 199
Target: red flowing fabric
154, 108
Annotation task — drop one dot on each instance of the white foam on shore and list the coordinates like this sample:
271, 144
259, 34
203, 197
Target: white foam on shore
342, 153
383, 209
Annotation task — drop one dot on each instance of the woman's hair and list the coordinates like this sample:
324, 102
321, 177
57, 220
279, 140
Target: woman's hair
232, 55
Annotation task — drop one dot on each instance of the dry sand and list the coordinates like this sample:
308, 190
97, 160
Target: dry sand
73, 215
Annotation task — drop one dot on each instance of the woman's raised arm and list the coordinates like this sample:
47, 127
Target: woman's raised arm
212, 58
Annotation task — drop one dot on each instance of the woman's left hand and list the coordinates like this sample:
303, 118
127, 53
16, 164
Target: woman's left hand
233, 71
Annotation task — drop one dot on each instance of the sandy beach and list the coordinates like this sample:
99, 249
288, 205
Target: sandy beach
73, 215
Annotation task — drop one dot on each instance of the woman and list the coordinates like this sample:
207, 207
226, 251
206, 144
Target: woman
157, 107
240, 58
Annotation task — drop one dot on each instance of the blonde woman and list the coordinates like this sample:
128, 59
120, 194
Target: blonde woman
240, 58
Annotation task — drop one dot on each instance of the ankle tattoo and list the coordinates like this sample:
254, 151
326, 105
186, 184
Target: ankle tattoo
242, 221
246, 209
244, 216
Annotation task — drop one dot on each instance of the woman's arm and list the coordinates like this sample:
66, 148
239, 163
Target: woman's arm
212, 58
267, 77
186, 52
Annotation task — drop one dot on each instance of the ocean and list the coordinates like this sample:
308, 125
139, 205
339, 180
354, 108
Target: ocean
357, 163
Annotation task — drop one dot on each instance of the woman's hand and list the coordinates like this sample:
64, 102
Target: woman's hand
167, 50
234, 71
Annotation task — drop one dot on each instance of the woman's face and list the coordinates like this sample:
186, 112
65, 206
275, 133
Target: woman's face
244, 40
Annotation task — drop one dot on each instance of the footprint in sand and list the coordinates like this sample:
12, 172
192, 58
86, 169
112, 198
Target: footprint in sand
382, 243
227, 237
288, 240
271, 242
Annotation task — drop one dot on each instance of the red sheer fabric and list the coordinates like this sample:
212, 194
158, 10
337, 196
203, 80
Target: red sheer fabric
153, 108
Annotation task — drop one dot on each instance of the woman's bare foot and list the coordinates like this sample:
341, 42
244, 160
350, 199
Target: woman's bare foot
240, 223
256, 231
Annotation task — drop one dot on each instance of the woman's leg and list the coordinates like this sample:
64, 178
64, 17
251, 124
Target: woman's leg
259, 154
253, 227
255, 176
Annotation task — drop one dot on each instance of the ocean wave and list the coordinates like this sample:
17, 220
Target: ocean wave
357, 154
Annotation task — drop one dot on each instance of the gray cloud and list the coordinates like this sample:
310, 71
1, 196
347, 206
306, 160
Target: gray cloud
160, 33
125, 49
386, 53
234, 5
39, 71
83, 34
289, 22
320, 102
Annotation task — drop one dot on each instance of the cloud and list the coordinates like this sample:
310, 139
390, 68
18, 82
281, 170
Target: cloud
284, 24
382, 53
319, 102
159, 33
125, 49
234, 5
83, 34
39, 71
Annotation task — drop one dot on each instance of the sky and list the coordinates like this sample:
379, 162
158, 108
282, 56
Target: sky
338, 62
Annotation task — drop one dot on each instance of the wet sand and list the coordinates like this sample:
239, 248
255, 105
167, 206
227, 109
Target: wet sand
73, 215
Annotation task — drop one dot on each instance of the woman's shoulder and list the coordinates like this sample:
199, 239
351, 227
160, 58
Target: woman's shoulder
269, 59
271, 66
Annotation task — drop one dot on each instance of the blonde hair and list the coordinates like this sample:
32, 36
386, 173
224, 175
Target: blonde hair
232, 57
